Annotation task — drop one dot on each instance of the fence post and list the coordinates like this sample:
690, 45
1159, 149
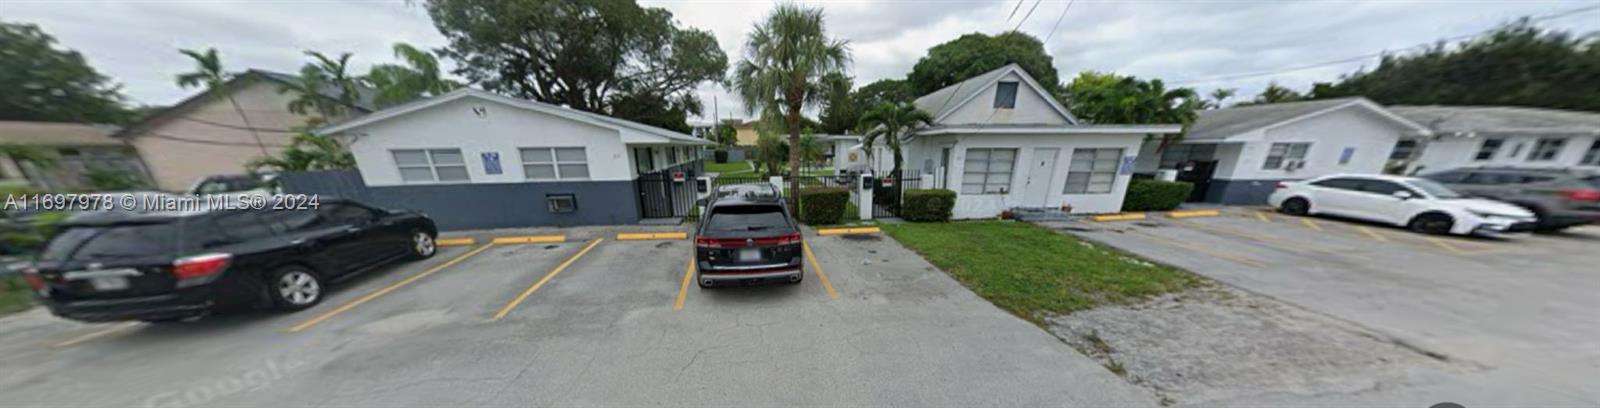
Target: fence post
864, 184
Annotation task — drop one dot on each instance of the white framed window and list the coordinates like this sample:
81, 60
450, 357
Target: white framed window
430, 165
1488, 149
1283, 152
1092, 171
1547, 149
555, 163
988, 171
1005, 95
1592, 156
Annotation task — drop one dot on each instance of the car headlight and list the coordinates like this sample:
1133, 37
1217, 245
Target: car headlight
1486, 214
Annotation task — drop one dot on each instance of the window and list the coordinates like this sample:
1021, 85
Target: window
1488, 149
745, 218
1448, 177
1340, 183
1383, 187
561, 203
1005, 95
1403, 150
1592, 156
429, 165
346, 214
1346, 155
231, 227
1516, 151
1280, 153
1092, 171
988, 171
1177, 154
642, 160
555, 163
1547, 149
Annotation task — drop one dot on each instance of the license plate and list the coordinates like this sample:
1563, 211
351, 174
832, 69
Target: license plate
749, 255
108, 283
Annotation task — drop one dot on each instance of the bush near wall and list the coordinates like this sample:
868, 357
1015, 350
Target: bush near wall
720, 156
927, 205
823, 205
1155, 195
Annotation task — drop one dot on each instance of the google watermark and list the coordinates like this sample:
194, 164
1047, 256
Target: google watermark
208, 391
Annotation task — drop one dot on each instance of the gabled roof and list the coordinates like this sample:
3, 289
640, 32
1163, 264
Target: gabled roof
666, 136
943, 102
56, 134
364, 99
1462, 120
1222, 124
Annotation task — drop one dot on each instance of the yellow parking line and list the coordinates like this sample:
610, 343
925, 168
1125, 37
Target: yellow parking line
1446, 245
445, 242
1265, 239
1119, 217
1200, 249
1372, 234
683, 289
94, 335
818, 267
529, 292
530, 239
1193, 213
844, 231
385, 290
1262, 215
637, 236
1311, 224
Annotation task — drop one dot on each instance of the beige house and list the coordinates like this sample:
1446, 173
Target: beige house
75, 150
204, 135
745, 134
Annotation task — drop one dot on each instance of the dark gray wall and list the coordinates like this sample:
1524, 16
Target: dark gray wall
510, 205
1240, 192
327, 183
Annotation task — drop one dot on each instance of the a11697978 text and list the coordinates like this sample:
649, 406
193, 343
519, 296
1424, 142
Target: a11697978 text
159, 202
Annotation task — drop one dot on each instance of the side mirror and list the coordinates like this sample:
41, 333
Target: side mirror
1403, 195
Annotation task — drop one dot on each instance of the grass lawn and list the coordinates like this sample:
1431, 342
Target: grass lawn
1032, 271
15, 296
729, 167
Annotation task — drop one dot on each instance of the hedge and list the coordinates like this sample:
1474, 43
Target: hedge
1155, 195
720, 156
823, 205
927, 205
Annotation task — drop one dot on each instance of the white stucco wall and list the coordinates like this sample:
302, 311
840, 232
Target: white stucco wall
1031, 108
1453, 152
1371, 136
969, 206
504, 129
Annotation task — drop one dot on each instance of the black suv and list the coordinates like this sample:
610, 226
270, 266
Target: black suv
747, 237
169, 266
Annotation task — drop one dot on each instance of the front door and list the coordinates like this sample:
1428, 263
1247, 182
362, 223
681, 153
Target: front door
1040, 172
1198, 174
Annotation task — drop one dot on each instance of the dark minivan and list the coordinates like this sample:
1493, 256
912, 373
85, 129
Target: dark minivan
170, 266
747, 237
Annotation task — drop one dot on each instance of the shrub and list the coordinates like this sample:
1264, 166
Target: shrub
927, 205
1155, 195
823, 205
720, 156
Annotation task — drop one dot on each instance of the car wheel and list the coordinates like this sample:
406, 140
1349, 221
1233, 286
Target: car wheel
295, 288
423, 246
1295, 206
1432, 223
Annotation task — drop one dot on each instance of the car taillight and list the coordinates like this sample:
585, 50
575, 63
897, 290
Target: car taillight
34, 280
707, 242
1582, 195
200, 266
789, 239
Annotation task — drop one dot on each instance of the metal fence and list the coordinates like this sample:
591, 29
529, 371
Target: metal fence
328, 183
664, 194
888, 194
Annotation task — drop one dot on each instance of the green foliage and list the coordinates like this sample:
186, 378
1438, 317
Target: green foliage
720, 156
25, 238
39, 82
977, 53
15, 295
37, 155
1275, 93
210, 75
887, 123
109, 179
823, 205
885, 90
308, 152
927, 205
655, 110
1110, 98
1518, 64
811, 149
320, 74
591, 55
419, 77
1155, 195
771, 153
725, 134
840, 113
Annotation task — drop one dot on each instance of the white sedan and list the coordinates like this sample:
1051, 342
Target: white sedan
1419, 204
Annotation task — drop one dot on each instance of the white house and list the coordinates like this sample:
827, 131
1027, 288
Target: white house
1237, 155
474, 159
1470, 136
1002, 142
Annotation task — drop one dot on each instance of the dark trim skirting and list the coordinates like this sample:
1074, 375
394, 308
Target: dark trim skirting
1240, 192
513, 205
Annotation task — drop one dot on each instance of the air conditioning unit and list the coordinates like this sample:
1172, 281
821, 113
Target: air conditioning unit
1292, 165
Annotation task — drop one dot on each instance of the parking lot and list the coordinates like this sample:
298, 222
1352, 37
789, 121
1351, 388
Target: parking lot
590, 320
1517, 314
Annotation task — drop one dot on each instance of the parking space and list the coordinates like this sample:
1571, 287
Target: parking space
1521, 306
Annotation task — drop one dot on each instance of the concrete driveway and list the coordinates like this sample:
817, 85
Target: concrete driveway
605, 328
1520, 313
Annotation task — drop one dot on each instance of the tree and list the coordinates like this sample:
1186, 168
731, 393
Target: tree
811, 150
1516, 64
840, 113
1275, 93
41, 83
656, 110
1110, 98
785, 58
772, 153
977, 53
307, 152
209, 73
888, 122
1219, 95
318, 76
584, 54
418, 77
884, 90
725, 134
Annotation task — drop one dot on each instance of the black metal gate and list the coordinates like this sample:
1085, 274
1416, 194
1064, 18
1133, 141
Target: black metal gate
887, 193
665, 194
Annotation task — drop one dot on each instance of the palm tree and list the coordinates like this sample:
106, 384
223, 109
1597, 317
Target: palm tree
1221, 94
785, 59
889, 121
209, 73
307, 152
419, 77
320, 74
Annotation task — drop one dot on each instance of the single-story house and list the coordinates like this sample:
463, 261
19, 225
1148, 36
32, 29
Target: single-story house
1002, 142
205, 135
1472, 136
73, 150
1238, 155
745, 134
474, 159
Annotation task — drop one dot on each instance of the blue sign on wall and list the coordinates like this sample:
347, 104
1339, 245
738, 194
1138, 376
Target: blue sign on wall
1127, 165
491, 162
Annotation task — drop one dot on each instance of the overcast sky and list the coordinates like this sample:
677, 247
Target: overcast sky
136, 42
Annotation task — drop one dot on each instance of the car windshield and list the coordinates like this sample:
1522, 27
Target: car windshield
747, 218
1434, 189
111, 242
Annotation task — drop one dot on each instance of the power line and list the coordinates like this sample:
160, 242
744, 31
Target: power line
207, 142
1025, 16
1058, 22
1014, 10
1229, 77
224, 125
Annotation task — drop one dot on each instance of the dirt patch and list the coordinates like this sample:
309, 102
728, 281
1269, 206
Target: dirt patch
1214, 345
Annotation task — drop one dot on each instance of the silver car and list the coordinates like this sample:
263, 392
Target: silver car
1559, 198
